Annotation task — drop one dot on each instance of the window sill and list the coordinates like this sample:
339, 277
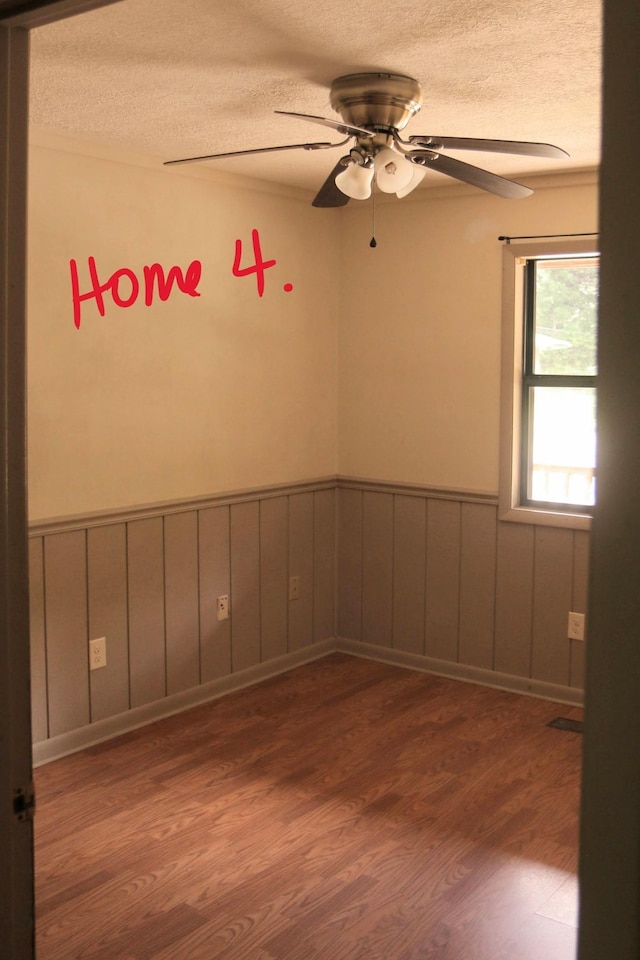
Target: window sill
548, 518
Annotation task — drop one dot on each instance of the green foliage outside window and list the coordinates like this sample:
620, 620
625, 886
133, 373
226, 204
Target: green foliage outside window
566, 314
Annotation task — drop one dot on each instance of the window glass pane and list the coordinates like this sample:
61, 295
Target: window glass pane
565, 322
563, 444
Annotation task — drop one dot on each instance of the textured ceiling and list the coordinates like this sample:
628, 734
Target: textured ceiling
175, 78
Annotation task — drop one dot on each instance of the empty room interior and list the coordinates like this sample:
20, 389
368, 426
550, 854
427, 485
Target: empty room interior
308, 552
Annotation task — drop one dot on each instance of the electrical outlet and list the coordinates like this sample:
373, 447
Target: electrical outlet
294, 588
223, 607
575, 629
97, 653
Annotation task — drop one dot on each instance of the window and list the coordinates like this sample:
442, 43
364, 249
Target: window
548, 471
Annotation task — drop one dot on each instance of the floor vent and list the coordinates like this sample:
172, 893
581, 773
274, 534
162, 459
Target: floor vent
563, 723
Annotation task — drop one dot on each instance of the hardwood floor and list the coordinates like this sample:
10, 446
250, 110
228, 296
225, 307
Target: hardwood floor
347, 810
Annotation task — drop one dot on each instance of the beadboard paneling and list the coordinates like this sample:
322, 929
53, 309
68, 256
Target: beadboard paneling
350, 564
149, 583
301, 565
38, 653
553, 582
107, 593
181, 601
477, 584
429, 576
377, 568
274, 573
65, 577
443, 579
245, 585
409, 573
147, 656
214, 549
579, 604
324, 564
514, 598
497, 593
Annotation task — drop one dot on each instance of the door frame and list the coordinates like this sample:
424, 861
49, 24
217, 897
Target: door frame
17, 924
610, 817
16, 862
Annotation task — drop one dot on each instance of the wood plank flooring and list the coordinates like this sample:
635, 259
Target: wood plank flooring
347, 810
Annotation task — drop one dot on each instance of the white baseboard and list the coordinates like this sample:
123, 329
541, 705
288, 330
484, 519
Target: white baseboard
461, 671
93, 733
101, 730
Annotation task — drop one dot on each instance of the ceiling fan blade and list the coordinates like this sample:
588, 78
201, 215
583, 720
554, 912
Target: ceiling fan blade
328, 195
246, 153
522, 147
476, 176
338, 125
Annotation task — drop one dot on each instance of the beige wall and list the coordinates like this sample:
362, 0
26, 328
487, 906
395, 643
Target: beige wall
420, 325
227, 391
188, 397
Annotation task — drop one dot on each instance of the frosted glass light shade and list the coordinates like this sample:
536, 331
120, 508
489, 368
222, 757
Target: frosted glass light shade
393, 171
418, 172
355, 181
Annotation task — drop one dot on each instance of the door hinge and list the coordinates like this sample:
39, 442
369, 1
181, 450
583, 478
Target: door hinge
24, 802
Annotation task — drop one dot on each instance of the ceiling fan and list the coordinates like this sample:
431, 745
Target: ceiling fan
374, 107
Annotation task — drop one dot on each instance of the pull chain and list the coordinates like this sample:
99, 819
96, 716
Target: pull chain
373, 242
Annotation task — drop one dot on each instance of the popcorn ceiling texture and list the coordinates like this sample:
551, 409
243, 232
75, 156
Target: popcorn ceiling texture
175, 78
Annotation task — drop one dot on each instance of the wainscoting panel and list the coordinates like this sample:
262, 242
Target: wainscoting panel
274, 576
477, 584
148, 580
38, 653
487, 597
443, 579
65, 578
377, 568
350, 564
107, 602
301, 566
245, 585
428, 578
409, 573
214, 555
324, 566
145, 566
579, 602
552, 594
182, 601
514, 598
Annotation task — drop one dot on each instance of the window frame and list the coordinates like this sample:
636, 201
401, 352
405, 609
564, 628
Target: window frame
514, 259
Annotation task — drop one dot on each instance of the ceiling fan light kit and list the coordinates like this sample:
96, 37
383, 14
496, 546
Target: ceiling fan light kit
374, 107
393, 171
356, 181
418, 173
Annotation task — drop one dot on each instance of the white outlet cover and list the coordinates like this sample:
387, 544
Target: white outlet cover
575, 629
222, 608
98, 653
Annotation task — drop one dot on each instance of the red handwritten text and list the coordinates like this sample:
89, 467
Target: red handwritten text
125, 295
258, 267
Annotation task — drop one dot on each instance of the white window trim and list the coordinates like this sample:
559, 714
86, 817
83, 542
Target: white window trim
514, 256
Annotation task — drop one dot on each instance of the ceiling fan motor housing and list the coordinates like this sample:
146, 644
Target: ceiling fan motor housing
376, 100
